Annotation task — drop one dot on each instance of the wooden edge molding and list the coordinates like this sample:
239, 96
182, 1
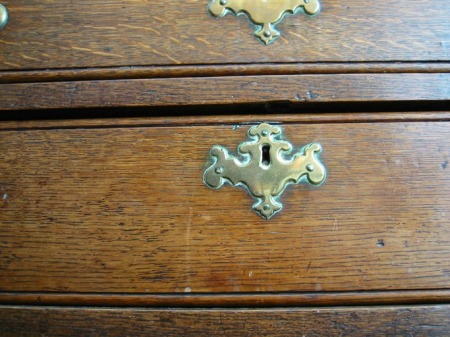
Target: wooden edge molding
230, 299
234, 120
388, 321
199, 91
142, 72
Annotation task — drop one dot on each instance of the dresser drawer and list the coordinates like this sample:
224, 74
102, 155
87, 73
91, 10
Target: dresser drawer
220, 92
105, 222
119, 206
420, 321
115, 33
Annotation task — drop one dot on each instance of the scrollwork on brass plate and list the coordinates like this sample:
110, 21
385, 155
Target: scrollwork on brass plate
265, 168
265, 14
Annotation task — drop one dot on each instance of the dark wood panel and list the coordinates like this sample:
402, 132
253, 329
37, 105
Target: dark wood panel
230, 300
226, 90
64, 34
125, 210
27, 76
421, 321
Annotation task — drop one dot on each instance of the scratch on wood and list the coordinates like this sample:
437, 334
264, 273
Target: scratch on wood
286, 41
299, 36
6, 42
82, 49
161, 20
36, 42
214, 53
159, 53
101, 28
29, 57
139, 27
106, 54
12, 64
57, 46
199, 39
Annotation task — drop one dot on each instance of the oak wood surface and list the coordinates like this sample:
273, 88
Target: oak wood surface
92, 33
125, 210
418, 321
105, 73
227, 90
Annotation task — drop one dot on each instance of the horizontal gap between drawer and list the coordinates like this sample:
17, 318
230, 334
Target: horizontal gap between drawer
225, 300
205, 70
302, 93
235, 121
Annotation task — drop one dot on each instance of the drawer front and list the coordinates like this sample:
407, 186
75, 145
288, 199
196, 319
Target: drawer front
66, 34
214, 91
124, 209
420, 321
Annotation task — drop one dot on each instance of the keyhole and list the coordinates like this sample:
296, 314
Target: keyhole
265, 155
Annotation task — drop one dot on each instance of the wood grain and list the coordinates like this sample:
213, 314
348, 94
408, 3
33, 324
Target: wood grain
66, 34
229, 300
237, 121
125, 210
27, 76
226, 90
420, 321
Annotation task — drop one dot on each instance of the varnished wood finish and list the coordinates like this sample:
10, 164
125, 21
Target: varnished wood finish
242, 120
230, 300
226, 90
418, 321
66, 34
98, 213
218, 70
125, 210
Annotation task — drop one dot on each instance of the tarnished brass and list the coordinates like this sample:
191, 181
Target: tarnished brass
3, 16
265, 169
265, 14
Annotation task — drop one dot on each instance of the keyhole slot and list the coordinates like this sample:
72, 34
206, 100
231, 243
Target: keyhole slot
265, 155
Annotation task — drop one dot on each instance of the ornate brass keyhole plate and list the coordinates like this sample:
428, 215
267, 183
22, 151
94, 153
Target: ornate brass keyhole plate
265, 168
265, 14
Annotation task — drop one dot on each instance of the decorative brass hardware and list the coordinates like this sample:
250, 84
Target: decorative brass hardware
3, 16
265, 14
264, 170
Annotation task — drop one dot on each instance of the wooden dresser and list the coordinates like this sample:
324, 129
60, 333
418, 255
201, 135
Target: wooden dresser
108, 112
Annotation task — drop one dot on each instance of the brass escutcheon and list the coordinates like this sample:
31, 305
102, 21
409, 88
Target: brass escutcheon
265, 14
265, 167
